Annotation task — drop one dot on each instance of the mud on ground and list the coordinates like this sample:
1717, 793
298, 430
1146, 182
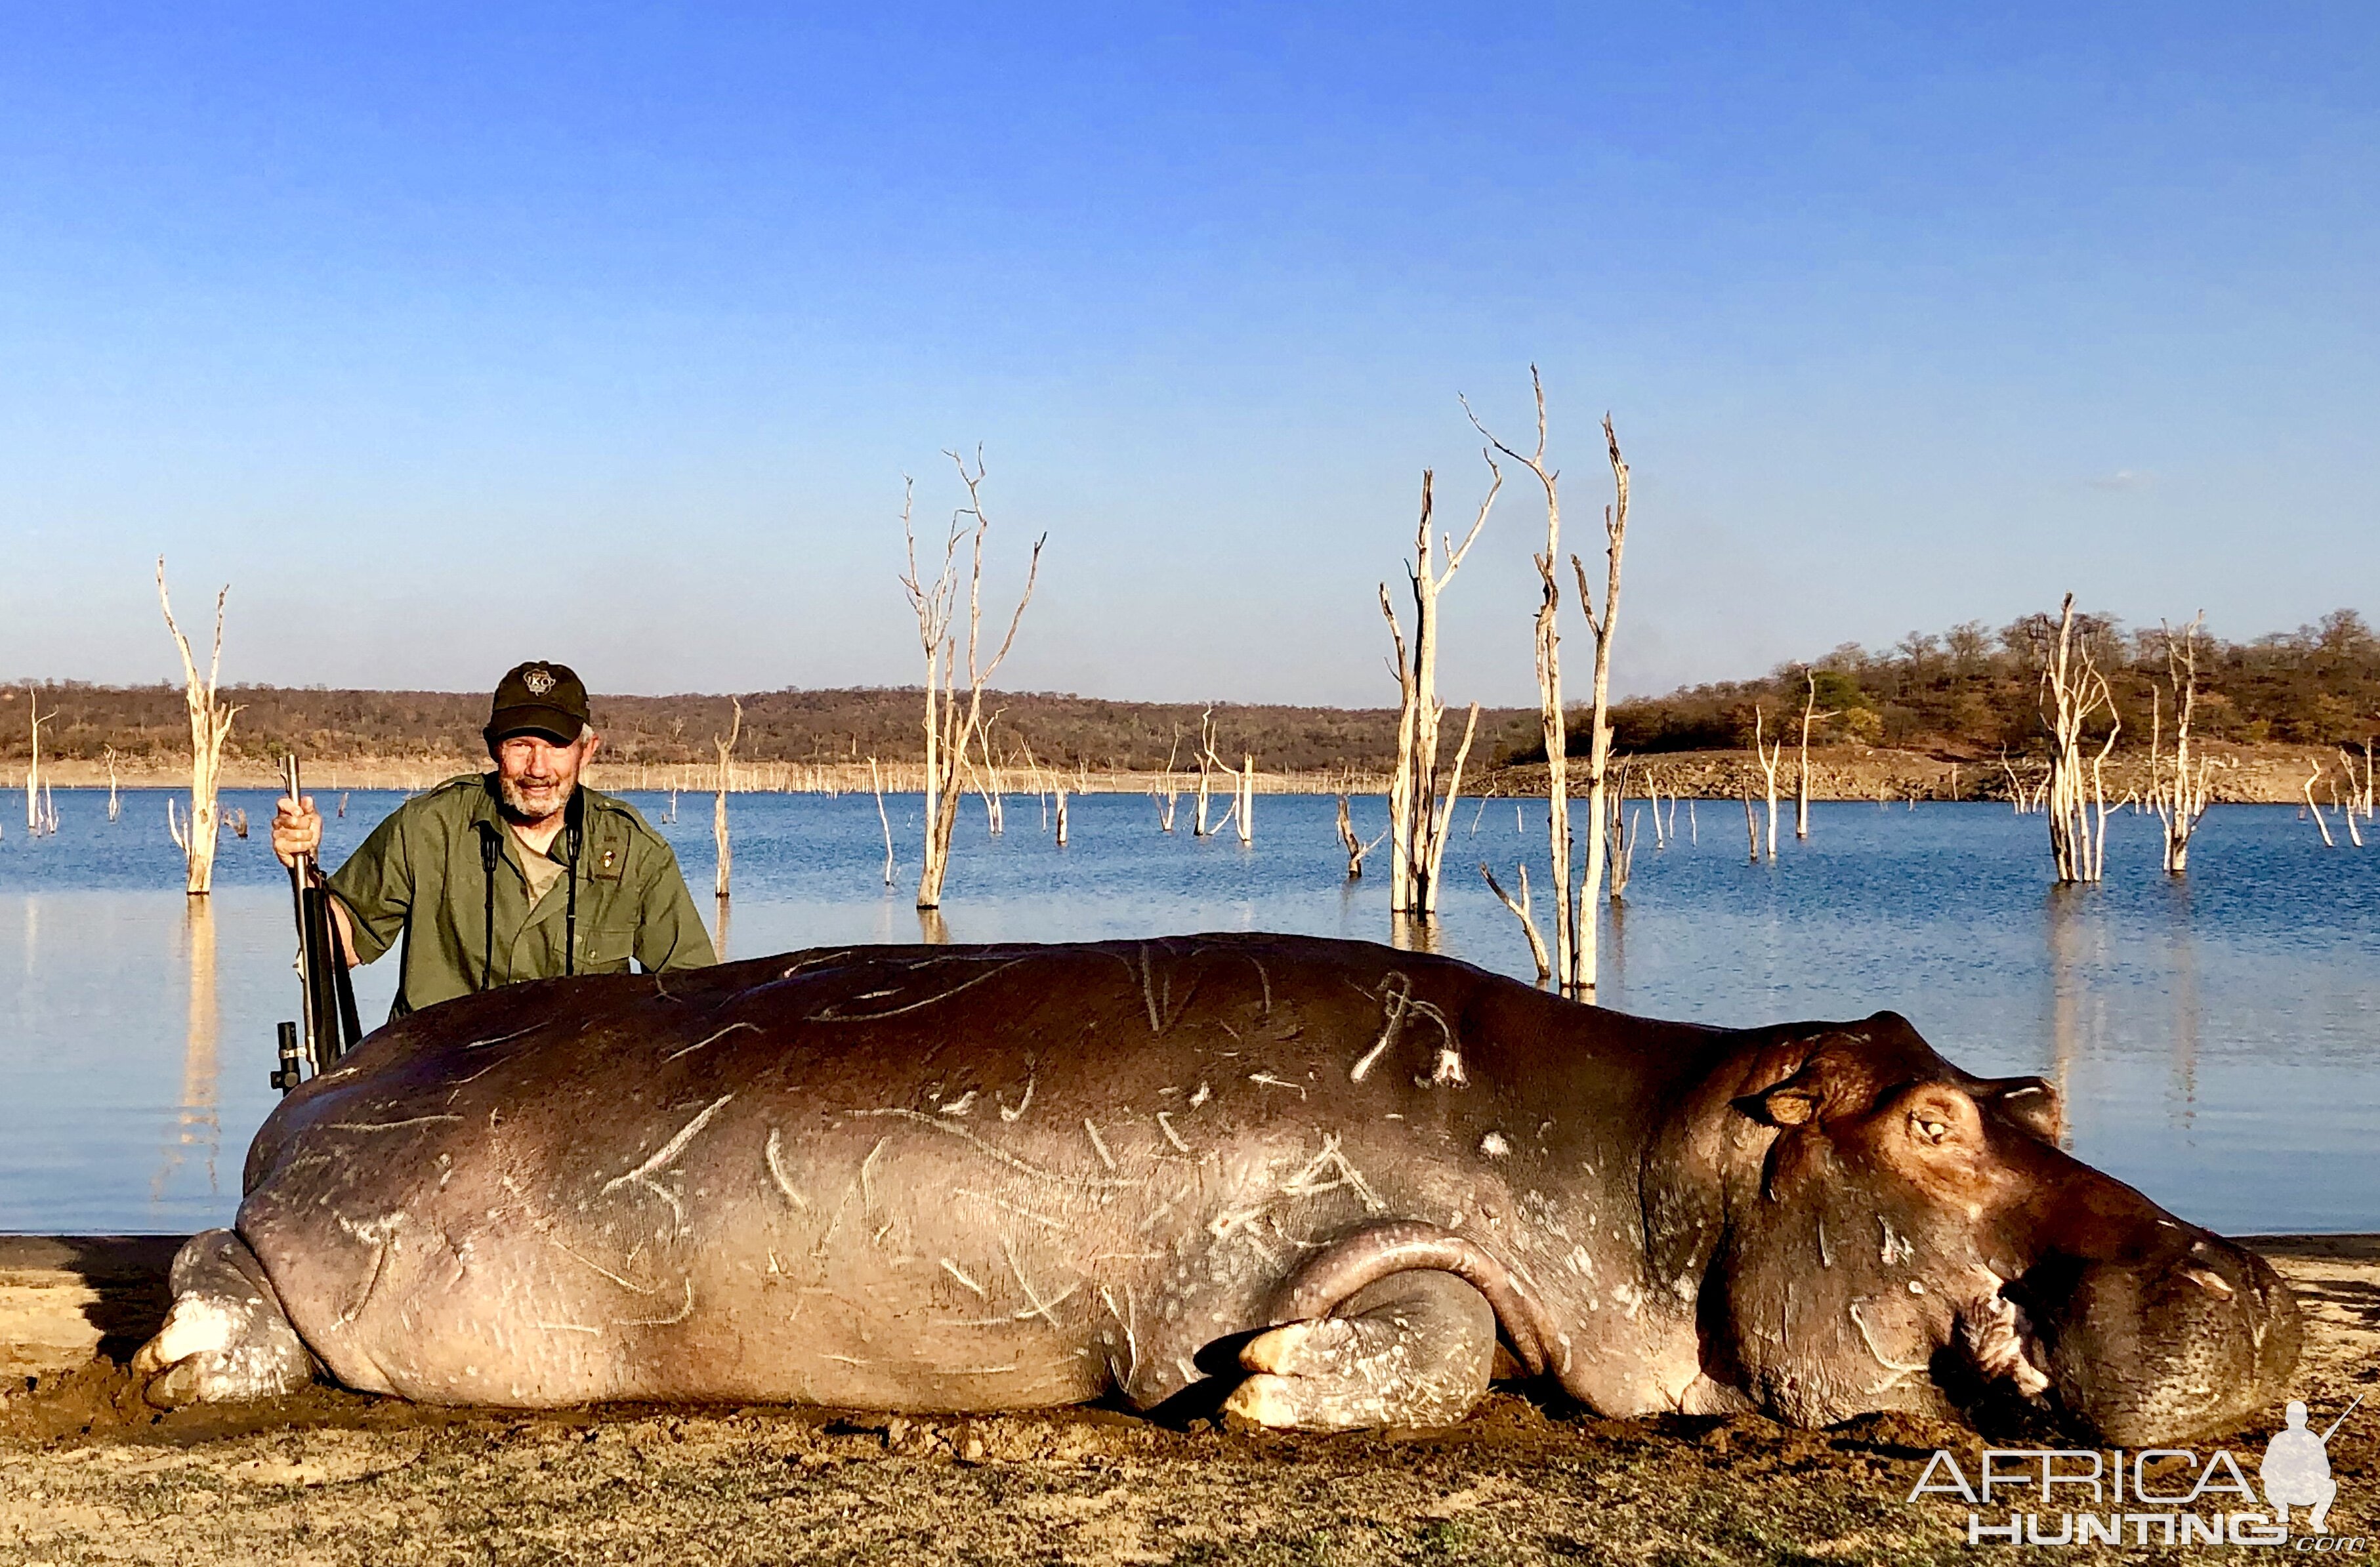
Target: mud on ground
90, 1474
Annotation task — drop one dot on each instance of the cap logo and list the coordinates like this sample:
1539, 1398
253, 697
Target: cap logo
538, 681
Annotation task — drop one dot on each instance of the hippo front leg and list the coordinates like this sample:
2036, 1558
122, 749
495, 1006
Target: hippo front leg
1415, 1349
226, 1338
1394, 1325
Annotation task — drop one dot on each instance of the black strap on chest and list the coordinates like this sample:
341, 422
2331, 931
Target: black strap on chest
491, 853
491, 850
574, 819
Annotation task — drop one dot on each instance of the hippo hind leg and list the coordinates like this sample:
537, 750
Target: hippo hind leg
226, 1338
1412, 1350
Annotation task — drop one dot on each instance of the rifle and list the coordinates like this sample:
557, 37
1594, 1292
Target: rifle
327, 1025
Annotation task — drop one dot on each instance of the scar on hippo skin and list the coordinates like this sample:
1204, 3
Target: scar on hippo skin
1396, 994
1156, 994
1309, 1182
710, 1039
226, 1338
642, 1175
1023, 1167
832, 1012
1412, 1350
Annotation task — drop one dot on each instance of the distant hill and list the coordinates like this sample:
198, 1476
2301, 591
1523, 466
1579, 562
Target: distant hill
1967, 693
1959, 696
148, 727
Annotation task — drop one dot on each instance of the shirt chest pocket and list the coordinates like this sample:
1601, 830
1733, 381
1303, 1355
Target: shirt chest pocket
609, 949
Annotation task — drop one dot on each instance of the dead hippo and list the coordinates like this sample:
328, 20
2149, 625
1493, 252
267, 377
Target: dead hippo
976, 1178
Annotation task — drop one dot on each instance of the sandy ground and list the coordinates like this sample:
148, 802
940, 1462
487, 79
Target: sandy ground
88, 1474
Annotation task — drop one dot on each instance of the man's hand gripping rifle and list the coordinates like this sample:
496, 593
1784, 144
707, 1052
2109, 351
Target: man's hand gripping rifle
327, 1025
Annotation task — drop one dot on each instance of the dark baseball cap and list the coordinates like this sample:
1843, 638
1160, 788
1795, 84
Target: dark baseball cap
538, 697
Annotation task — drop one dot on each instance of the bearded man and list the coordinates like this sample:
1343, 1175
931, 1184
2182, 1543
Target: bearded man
519, 873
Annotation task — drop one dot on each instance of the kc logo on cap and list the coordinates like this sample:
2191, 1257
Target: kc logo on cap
539, 679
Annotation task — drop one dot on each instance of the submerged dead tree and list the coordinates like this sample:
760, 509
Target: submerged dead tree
210, 726
2180, 804
1552, 725
1771, 758
726, 749
1172, 796
2073, 691
1575, 924
1418, 820
1810, 714
36, 823
1603, 627
1355, 846
949, 728
1206, 764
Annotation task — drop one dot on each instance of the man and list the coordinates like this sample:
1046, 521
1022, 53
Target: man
520, 873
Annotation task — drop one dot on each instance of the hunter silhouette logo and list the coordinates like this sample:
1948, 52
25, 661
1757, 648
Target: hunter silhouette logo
2296, 1470
538, 681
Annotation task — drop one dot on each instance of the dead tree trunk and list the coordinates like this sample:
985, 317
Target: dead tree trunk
210, 726
726, 749
1198, 828
1604, 626
1771, 758
1623, 838
883, 817
1810, 713
1520, 908
40, 816
949, 730
1416, 825
1751, 826
1573, 962
2180, 804
2322, 826
2073, 690
1172, 797
1247, 800
1356, 847
115, 804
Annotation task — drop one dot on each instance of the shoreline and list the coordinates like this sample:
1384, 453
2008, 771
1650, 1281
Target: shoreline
2239, 775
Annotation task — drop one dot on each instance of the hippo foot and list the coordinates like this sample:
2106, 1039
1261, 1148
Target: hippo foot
1414, 1349
226, 1338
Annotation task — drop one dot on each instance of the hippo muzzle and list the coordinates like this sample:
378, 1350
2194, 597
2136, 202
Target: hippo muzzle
2193, 1335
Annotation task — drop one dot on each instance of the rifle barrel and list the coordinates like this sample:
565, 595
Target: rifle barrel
309, 1022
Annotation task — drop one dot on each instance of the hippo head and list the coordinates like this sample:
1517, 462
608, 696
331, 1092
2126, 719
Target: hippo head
1901, 1235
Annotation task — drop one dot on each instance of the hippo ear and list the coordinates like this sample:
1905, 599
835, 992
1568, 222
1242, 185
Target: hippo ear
2032, 1102
1794, 1102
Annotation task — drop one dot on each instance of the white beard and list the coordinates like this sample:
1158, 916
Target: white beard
520, 806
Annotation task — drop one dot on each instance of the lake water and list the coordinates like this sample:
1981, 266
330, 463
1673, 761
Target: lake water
2215, 1036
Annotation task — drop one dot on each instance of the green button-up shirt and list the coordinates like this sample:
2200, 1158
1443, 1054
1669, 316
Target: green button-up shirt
420, 877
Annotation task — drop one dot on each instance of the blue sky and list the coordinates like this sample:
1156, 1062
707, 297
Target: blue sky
454, 335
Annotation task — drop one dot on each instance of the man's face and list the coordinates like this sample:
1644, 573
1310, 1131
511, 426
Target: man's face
535, 776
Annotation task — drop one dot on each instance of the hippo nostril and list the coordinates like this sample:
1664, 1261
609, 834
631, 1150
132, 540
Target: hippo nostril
2208, 1281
